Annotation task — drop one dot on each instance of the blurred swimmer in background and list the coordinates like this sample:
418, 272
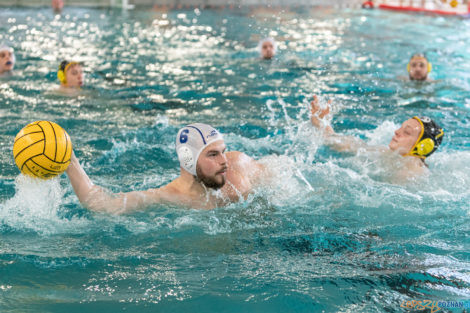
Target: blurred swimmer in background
57, 5
267, 48
70, 75
7, 59
419, 67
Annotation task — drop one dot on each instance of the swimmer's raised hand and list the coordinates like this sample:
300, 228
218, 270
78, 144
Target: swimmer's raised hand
317, 110
318, 113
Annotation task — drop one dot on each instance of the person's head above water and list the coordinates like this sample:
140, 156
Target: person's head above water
267, 48
201, 153
7, 59
417, 136
70, 74
419, 67
57, 5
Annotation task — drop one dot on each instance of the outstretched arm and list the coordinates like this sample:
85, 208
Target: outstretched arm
317, 115
99, 199
336, 141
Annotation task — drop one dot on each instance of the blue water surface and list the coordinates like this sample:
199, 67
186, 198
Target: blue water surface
332, 233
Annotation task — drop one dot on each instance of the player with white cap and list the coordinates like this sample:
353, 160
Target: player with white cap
190, 142
7, 59
204, 168
267, 48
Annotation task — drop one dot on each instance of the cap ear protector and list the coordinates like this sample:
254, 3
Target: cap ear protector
185, 154
424, 147
63, 67
191, 141
61, 77
408, 66
429, 138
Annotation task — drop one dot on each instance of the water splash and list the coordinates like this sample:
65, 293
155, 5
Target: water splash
37, 206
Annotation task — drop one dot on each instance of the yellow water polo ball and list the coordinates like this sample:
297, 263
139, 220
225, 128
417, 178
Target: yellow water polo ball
42, 149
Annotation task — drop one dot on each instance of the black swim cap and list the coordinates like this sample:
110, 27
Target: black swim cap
63, 64
429, 139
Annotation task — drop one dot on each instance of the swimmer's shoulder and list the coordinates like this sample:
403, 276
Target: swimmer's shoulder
170, 193
239, 160
416, 166
65, 91
411, 169
407, 79
234, 155
245, 165
170, 190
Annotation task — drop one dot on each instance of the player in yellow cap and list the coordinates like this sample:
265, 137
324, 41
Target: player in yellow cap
70, 75
415, 140
209, 177
419, 67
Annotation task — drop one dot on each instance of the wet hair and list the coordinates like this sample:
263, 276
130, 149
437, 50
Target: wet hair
63, 64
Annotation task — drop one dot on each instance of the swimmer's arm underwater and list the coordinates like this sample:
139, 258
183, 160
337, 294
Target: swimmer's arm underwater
336, 141
98, 199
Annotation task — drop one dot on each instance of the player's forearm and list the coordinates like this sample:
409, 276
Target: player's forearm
81, 183
101, 200
343, 143
98, 199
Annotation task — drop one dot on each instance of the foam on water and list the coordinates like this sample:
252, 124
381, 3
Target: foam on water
37, 206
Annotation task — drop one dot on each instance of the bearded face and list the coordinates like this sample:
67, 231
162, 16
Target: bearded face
211, 167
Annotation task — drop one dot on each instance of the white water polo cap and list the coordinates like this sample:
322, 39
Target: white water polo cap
191, 140
4, 47
267, 39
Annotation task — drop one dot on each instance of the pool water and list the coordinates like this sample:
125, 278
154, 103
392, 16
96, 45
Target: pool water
332, 233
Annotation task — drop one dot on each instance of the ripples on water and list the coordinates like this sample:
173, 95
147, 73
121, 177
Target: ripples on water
331, 234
